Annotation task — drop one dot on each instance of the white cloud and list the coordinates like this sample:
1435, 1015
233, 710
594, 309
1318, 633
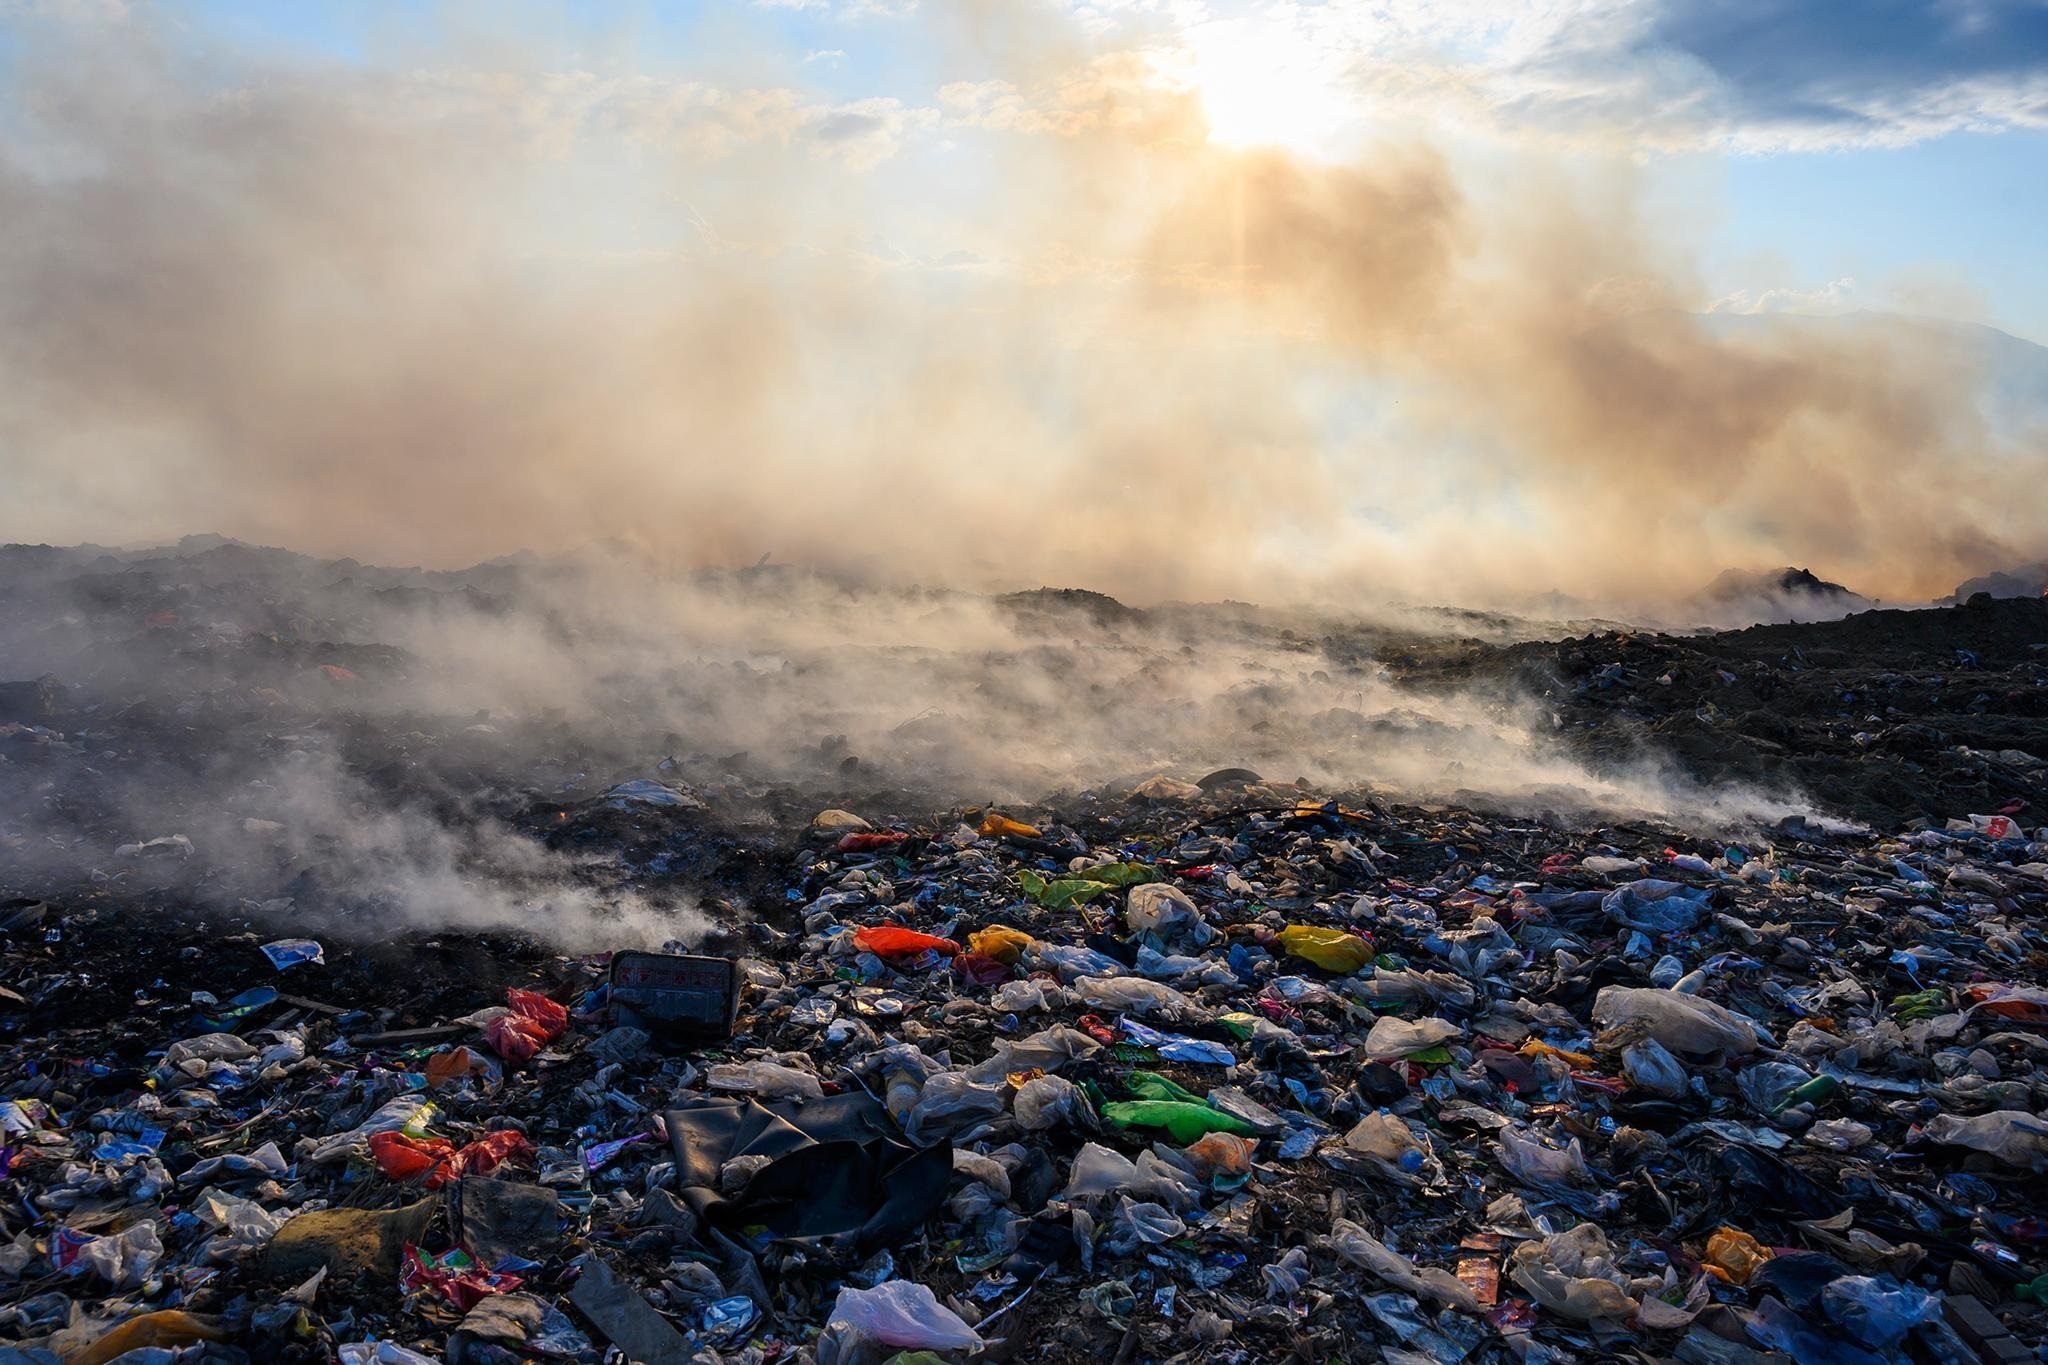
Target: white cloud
1833, 297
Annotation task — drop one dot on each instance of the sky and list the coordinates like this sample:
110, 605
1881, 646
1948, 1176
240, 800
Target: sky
1171, 297
1867, 154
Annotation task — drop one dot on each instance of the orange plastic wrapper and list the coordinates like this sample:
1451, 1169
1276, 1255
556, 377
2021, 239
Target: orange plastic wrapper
438, 1161
1221, 1153
893, 940
1536, 1047
1734, 1256
2024, 1004
535, 1022
994, 826
446, 1068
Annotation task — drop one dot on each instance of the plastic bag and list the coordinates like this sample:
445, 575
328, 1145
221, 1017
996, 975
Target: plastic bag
1331, 949
245, 1222
999, 941
1071, 961
1552, 1273
1683, 1023
950, 1104
1534, 1162
1182, 1121
1655, 907
1734, 1255
1391, 1037
1045, 1102
1650, 1066
1098, 1171
770, 1080
124, 1259
1380, 1134
1046, 1050
1361, 1248
2014, 1136
1133, 995
390, 1116
535, 1021
1876, 1312
998, 826
1166, 911
1018, 997
903, 1314
1409, 987
1215, 1154
893, 940
438, 1161
1148, 1224
381, 1353
1768, 1085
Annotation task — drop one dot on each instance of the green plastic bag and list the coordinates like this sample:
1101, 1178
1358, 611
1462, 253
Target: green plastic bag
1184, 1122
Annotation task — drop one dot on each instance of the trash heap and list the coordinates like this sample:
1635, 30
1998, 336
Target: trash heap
1219, 1071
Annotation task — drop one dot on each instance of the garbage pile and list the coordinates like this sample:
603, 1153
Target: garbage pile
1887, 716
1216, 1071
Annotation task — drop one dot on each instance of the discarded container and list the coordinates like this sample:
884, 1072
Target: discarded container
674, 996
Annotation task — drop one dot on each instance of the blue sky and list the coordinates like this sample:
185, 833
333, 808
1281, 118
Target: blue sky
1875, 154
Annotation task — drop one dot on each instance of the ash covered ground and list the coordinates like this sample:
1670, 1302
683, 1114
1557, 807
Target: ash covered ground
1387, 912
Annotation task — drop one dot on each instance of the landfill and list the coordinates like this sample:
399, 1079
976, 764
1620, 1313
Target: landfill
1216, 1064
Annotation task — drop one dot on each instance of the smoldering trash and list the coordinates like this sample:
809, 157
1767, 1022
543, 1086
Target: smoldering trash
363, 999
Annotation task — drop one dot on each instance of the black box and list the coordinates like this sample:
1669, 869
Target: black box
675, 996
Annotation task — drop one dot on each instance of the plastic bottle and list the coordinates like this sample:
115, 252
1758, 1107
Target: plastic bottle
902, 1093
1380, 1134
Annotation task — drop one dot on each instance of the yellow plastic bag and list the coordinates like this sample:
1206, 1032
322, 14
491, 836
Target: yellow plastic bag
995, 826
1734, 1256
1000, 942
168, 1329
1331, 949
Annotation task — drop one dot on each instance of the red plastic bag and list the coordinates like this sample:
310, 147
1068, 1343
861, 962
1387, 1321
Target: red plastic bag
893, 940
869, 843
401, 1157
535, 1022
978, 969
455, 1275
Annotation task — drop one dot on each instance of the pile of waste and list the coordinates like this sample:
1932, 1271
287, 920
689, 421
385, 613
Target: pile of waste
1213, 1071
1886, 716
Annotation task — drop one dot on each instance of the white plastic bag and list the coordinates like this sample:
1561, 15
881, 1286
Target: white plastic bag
1133, 995
1045, 1102
1533, 1162
903, 1314
2014, 1136
1361, 1248
1683, 1023
1391, 1037
1168, 912
769, 1080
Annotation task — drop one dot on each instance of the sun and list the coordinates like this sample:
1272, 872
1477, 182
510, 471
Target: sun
1262, 86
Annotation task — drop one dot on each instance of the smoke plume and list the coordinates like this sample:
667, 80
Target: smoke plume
434, 307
